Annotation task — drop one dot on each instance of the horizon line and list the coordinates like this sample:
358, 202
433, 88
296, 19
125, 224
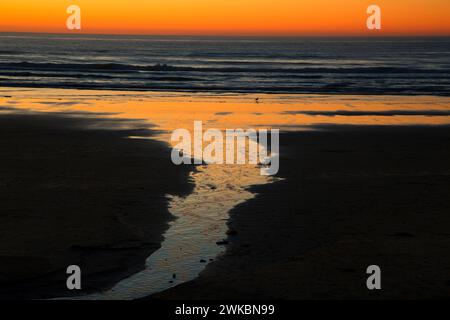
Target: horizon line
219, 35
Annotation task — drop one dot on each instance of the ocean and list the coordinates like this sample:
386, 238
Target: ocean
392, 66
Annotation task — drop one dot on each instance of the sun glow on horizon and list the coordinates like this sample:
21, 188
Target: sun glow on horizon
230, 17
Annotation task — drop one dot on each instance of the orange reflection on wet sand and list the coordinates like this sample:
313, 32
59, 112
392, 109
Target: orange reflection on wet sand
169, 111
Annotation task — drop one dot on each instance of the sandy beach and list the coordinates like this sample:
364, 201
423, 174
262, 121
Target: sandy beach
353, 196
364, 181
74, 190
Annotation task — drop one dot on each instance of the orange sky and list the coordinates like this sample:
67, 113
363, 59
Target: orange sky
229, 17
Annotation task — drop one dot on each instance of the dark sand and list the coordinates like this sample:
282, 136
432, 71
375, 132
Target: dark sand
73, 190
353, 197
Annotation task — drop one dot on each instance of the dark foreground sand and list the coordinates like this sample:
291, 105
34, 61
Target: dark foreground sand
353, 197
73, 190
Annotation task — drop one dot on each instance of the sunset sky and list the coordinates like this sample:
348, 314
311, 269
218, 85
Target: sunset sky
228, 17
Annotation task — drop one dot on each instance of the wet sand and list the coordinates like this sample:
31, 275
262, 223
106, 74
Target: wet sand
354, 196
74, 190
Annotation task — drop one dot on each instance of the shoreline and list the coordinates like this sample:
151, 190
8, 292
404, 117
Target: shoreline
228, 91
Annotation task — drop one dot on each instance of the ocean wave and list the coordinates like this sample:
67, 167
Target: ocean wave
116, 67
230, 88
400, 66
